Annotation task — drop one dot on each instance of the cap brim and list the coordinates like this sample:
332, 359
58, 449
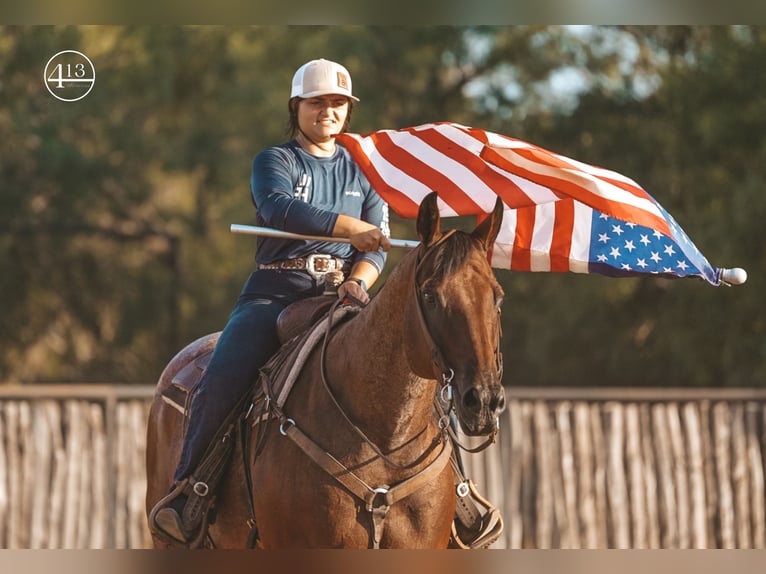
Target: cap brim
326, 93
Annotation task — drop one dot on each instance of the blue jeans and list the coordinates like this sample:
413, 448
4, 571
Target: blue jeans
248, 340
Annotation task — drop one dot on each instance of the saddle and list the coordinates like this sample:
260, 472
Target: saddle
294, 321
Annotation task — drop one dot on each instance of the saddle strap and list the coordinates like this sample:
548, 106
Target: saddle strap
379, 500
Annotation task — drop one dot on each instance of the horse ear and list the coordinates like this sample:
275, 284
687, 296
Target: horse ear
428, 220
486, 232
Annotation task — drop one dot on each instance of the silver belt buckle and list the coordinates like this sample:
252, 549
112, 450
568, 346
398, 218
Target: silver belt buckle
311, 264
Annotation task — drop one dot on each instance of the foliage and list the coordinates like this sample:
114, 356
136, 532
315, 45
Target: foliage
114, 210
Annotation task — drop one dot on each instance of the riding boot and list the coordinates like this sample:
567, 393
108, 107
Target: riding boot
183, 514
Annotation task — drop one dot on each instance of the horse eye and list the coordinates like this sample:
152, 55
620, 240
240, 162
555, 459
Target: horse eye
429, 298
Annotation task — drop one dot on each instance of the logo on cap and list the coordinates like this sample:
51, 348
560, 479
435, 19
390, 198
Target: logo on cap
342, 80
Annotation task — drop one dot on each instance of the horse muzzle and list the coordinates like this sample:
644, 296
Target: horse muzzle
479, 408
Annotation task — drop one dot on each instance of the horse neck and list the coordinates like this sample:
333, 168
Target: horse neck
389, 401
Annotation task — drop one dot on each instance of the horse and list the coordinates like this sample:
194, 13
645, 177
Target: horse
366, 466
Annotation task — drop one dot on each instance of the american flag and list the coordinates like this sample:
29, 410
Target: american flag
561, 214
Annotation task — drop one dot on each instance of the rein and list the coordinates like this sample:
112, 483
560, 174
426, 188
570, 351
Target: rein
375, 448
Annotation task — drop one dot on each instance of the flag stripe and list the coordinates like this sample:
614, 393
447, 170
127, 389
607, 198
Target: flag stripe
525, 224
488, 178
579, 254
561, 246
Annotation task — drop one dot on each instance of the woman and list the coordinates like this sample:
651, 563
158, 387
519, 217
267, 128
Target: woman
309, 186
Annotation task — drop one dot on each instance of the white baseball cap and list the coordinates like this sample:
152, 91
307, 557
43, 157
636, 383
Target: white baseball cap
321, 77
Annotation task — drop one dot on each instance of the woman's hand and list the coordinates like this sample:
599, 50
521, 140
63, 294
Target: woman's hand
364, 236
370, 240
354, 289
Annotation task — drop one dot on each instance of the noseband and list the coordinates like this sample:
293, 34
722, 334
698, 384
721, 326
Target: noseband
447, 373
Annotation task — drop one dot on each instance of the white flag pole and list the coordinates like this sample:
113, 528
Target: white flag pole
735, 276
269, 232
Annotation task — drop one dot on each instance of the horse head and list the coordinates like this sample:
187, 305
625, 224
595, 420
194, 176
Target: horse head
456, 313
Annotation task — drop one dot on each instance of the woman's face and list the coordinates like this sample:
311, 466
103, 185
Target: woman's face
322, 117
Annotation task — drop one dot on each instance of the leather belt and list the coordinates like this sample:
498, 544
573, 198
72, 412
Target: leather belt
316, 264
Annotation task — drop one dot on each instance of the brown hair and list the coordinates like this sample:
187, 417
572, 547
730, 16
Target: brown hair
292, 119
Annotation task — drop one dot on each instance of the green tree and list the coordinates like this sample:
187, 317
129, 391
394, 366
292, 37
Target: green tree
115, 210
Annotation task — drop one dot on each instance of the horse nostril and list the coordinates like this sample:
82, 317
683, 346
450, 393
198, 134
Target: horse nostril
472, 399
498, 402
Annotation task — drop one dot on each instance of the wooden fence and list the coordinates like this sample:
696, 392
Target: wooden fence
573, 468
629, 468
72, 466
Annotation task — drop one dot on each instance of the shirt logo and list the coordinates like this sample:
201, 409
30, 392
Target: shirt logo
302, 188
353, 193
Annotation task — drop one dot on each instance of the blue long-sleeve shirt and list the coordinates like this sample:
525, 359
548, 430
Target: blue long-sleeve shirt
297, 192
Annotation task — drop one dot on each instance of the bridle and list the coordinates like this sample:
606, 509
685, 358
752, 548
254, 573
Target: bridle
446, 386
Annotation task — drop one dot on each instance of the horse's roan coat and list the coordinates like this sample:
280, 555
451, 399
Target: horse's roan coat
435, 320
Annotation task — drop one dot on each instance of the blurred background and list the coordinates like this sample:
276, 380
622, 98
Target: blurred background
115, 248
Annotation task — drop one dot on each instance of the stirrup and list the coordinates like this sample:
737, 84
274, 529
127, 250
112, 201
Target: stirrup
487, 525
193, 536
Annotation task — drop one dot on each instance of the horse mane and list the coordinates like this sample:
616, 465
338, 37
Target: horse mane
452, 253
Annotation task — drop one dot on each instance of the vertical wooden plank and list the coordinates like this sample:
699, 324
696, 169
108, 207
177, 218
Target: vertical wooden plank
28, 461
741, 477
513, 516
14, 474
585, 479
86, 478
120, 471
73, 473
636, 473
568, 474
664, 457
755, 468
40, 482
495, 493
681, 475
561, 524
696, 476
4, 478
599, 475
138, 531
617, 490
711, 484
55, 415
529, 479
99, 515
545, 510
722, 434
650, 477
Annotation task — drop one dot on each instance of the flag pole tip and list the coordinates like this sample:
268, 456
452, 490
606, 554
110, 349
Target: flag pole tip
734, 276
